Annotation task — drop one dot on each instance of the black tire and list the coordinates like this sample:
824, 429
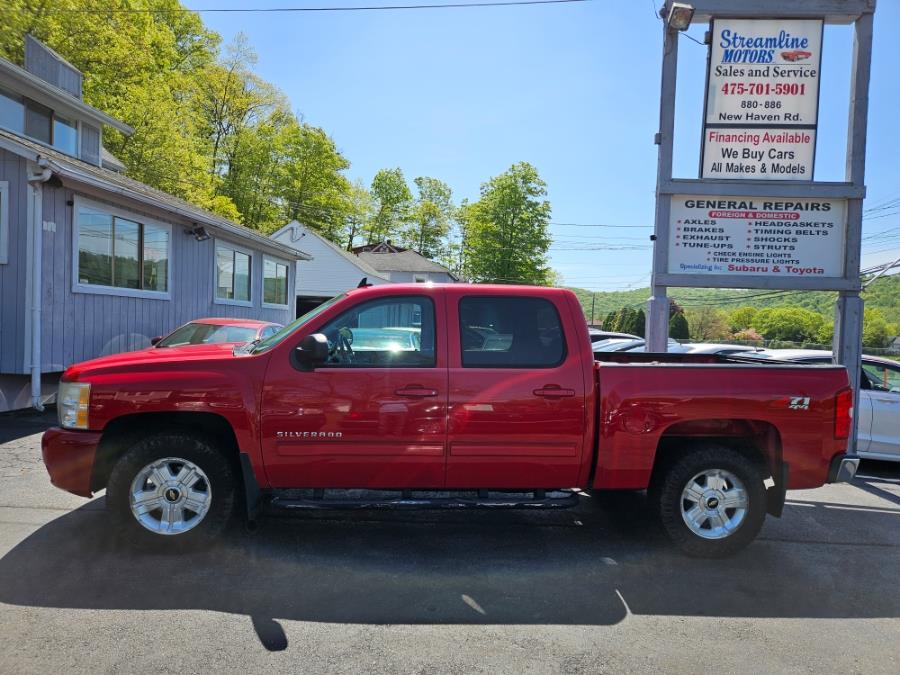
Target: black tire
668, 490
198, 450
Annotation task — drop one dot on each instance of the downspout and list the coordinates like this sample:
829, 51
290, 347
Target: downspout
37, 242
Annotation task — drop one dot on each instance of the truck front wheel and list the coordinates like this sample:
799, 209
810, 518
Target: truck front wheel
712, 501
171, 491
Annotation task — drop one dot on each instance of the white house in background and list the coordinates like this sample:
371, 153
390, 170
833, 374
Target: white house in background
331, 271
403, 265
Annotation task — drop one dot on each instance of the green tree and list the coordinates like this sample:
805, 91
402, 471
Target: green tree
707, 323
637, 322
508, 233
793, 324
741, 318
360, 208
875, 328
678, 327
392, 197
428, 219
610, 323
313, 187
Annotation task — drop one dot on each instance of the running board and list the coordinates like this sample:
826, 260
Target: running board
422, 499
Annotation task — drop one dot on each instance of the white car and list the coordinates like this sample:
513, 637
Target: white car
878, 434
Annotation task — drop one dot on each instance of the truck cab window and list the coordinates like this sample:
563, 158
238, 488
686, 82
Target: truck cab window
389, 332
510, 332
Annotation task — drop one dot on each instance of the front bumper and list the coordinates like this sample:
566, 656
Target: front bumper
69, 458
843, 468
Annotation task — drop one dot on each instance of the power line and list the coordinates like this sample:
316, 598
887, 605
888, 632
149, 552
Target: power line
273, 10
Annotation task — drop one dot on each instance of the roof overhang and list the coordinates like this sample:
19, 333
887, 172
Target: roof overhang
22, 82
89, 182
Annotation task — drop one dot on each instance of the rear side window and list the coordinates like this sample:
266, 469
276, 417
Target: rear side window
510, 332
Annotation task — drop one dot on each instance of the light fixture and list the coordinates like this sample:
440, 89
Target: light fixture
680, 16
199, 233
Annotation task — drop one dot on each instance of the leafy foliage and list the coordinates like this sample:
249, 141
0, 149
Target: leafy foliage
507, 230
678, 327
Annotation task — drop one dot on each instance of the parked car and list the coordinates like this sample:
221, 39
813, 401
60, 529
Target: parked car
597, 335
716, 348
635, 344
212, 331
878, 428
184, 440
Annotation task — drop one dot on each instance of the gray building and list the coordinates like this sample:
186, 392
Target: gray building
92, 262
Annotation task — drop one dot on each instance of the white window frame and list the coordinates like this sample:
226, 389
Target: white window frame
115, 211
273, 305
231, 246
4, 222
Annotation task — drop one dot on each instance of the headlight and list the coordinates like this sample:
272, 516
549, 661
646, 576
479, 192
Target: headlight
72, 404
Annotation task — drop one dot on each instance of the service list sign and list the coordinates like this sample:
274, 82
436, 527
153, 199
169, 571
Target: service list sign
757, 236
762, 99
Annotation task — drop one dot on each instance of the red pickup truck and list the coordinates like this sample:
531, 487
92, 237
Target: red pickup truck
442, 395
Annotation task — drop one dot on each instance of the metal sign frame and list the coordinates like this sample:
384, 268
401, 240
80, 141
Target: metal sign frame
847, 344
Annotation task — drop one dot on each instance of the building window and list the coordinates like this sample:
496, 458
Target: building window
29, 118
65, 136
4, 220
233, 268
12, 113
117, 252
275, 282
38, 122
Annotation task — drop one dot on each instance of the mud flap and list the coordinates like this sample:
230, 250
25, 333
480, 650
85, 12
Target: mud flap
776, 494
252, 493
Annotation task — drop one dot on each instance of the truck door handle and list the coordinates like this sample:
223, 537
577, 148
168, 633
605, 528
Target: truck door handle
415, 391
553, 391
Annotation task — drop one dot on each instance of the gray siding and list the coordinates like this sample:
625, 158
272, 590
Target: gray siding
79, 326
41, 61
12, 274
90, 144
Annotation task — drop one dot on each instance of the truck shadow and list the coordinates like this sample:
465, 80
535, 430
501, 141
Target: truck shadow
592, 565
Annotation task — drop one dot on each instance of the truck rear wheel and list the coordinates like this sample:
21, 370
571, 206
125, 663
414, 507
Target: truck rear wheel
712, 501
171, 491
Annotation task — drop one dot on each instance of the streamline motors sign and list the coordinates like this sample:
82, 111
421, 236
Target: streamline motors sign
762, 99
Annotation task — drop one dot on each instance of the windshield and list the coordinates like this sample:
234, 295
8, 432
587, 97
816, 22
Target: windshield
269, 342
206, 333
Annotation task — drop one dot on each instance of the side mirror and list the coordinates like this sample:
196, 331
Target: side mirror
312, 352
155, 340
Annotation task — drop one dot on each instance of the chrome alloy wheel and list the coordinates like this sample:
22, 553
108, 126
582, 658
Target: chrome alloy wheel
714, 503
170, 496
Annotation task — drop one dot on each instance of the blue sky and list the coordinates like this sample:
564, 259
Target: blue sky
573, 89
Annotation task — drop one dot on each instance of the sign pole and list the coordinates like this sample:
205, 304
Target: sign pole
848, 313
657, 325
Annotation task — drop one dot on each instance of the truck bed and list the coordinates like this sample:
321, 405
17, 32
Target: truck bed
647, 400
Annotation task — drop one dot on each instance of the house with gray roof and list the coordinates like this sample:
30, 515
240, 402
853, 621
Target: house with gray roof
403, 265
331, 271
93, 262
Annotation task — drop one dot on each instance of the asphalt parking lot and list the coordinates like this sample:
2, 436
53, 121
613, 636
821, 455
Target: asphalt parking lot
593, 589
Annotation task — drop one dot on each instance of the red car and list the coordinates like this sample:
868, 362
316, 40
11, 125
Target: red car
796, 55
212, 331
494, 399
